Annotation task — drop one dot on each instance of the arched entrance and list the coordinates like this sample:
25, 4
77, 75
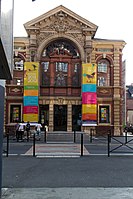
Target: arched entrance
60, 79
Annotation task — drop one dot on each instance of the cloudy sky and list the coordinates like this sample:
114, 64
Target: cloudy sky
113, 18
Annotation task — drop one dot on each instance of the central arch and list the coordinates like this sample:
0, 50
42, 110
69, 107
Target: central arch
54, 38
60, 66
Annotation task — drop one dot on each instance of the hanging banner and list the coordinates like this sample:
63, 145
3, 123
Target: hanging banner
30, 97
89, 95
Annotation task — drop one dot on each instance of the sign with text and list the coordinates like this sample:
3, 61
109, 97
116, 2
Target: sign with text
30, 98
89, 96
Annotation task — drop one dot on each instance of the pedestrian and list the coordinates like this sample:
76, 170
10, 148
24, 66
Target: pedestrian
38, 130
17, 131
28, 130
21, 131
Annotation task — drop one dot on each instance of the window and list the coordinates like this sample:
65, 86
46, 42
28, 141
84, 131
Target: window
45, 66
15, 113
61, 47
17, 81
102, 67
76, 75
103, 73
76, 66
18, 65
45, 73
61, 67
104, 114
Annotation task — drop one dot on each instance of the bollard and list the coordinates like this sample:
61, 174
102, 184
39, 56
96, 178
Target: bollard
34, 145
7, 146
81, 144
90, 135
45, 135
126, 137
74, 138
109, 138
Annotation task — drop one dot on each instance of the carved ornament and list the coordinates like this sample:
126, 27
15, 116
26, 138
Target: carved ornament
16, 90
104, 91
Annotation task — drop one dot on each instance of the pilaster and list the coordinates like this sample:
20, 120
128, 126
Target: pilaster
51, 113
33, 47
69, 117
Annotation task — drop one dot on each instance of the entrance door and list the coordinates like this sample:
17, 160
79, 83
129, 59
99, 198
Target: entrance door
60, 117
76, 118
44, 114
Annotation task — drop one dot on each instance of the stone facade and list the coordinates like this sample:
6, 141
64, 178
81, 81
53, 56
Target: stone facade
46, 32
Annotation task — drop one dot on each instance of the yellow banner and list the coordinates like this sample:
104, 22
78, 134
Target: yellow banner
30, 96
89, 73
31, 73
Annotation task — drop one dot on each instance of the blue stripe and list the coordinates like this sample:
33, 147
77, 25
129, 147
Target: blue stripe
30, 100
88, 87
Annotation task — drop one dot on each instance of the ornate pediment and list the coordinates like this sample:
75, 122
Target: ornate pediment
60, 19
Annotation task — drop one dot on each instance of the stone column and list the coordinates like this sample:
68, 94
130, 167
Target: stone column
88, 48
69, 80
33, 47
69, 117
116, 96
51, 116
52, 78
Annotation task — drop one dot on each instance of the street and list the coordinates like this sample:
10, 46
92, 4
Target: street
90, 171
55, 175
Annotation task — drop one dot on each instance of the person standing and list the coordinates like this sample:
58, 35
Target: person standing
38, 130
21, 131
17, 131
28, 130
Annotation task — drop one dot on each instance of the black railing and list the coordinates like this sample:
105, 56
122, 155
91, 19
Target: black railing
32, 141
120, 141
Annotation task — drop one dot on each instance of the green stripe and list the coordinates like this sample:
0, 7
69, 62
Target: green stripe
30, 87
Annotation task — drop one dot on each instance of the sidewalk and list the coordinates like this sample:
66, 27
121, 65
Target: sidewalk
68, 193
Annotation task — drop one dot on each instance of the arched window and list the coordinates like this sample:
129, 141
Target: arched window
103, 70
60, 65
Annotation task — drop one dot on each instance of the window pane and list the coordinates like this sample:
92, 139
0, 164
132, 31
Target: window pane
60, 80
18, 65
102, 67
101, 81
104, 114
45, 66
15, 113
61, 67
103, 73
45, 74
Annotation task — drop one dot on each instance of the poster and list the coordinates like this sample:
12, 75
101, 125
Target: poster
30, 97
89, 95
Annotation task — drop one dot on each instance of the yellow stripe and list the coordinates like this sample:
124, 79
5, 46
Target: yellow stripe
89, 108
30, 117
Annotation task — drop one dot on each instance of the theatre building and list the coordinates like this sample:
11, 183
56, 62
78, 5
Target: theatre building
58, 45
